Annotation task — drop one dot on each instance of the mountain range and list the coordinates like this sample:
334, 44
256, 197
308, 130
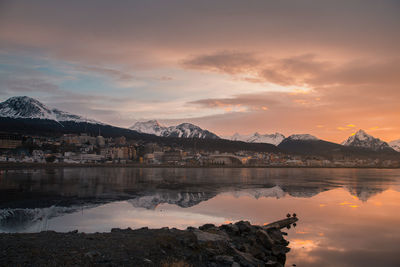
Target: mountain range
274, 139
395, 145
23, 107
21, 207
27, 115
364, 140
183, 130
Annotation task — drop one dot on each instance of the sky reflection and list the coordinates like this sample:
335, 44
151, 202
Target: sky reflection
344, 232
347, 217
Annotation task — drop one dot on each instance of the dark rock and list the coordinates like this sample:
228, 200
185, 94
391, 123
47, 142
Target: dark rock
207, 226
147, 260
275, 234
224, 259
230, 228
280, 250
265, 239
239, 244
92, 254
243, 226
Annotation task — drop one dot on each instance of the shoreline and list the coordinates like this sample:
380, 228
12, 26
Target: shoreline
16, 166
238, 244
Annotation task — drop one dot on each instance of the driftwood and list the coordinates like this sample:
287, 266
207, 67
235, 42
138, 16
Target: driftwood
282, 223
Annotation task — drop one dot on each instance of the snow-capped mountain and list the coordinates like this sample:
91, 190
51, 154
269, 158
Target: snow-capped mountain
395, 145
149, 127
275, 192
274, 139
27, 219
303, 137
23, 107
183, 130
181, 199
364, 140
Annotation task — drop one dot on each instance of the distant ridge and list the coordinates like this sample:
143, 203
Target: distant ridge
364, 140
312, 146
25, 115
24, 107
395, 144
302, 137
183, 130
274, 139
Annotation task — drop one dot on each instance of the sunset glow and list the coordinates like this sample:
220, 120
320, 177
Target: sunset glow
228, 66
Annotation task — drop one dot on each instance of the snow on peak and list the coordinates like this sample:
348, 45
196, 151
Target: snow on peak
362, 135
183, 130
302, 137
362, 139
274, 139
395, 144
149, 127
275, 192
181, 199
25, 107
29, 108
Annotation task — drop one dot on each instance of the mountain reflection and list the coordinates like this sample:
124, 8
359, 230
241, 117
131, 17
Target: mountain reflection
28, 196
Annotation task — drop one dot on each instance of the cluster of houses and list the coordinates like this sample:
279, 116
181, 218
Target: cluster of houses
83, 148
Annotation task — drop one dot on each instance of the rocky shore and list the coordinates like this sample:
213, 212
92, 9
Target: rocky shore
239, 244
28, 165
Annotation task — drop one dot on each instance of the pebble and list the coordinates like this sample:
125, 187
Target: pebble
238, 244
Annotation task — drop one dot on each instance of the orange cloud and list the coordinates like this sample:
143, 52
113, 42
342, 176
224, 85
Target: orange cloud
347, 76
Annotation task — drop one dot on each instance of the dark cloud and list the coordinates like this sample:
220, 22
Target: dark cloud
116, 74
226, 62
143, 33
253, 100
29, 85
303, 70
297, 70
345, 52
360, 72
322, 111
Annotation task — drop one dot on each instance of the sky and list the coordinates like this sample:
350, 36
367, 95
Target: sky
327, 68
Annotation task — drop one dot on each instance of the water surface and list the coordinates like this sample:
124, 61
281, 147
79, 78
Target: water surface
348, 217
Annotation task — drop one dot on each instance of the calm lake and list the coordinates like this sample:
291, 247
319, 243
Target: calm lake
348, 217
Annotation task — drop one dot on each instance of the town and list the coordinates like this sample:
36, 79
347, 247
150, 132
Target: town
85, 149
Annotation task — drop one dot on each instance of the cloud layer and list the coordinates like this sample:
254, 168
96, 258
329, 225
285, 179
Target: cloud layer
231, 66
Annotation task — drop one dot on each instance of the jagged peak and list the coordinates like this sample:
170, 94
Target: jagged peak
361, 133
363, 139
395, 144
302, 137
30, 108
25, 100
184, 130
149, 122
186, 124
22, 98
274, 139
